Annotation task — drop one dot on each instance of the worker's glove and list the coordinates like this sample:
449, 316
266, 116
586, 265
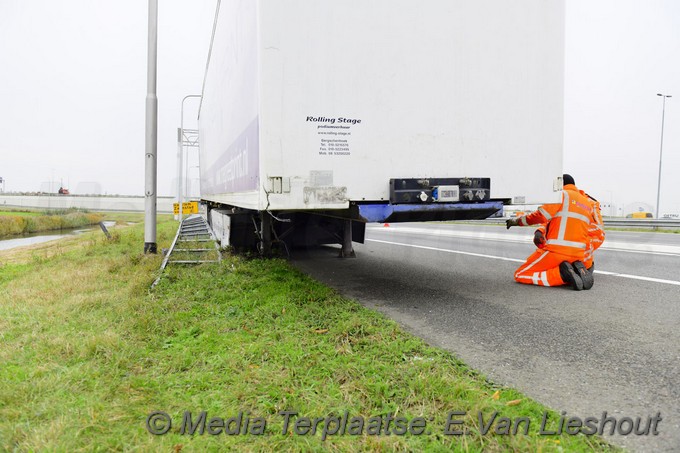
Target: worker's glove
511, 222
539, 239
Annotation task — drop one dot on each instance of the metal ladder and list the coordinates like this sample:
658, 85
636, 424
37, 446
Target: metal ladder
194, 243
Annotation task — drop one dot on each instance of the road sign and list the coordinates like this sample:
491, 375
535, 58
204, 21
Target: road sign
189, 207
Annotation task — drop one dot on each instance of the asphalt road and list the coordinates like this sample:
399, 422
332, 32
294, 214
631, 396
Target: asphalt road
615, 348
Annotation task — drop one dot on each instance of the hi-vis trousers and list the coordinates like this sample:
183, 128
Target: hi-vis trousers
542, 268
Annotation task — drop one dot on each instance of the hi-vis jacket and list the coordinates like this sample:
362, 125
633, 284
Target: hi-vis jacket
595, 231
572, 227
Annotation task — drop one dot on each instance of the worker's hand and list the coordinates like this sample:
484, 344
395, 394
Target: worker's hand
511, 222
539, 239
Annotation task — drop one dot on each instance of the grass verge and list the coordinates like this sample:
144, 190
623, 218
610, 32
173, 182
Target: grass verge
27, 222
88, 353
19, 213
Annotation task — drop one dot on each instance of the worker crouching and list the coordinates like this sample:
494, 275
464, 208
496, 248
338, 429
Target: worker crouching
568, 234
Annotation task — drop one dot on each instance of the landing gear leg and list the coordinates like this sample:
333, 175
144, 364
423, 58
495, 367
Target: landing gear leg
265, 245
347, 251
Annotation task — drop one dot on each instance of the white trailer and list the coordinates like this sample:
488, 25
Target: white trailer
329, 114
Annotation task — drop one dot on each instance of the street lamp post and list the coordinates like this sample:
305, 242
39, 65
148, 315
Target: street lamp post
611, 211
190, 181
180, 152
151, 134
658, 187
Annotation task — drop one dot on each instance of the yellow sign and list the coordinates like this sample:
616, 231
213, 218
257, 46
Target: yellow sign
190, 207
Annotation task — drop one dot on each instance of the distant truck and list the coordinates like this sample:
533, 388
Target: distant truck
640, 215
317, 117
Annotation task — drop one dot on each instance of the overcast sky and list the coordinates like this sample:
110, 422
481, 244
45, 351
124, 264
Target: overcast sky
73, 87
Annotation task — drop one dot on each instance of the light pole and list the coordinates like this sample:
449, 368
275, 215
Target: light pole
658, 187
612, 213
150, 162
190, 181
180, 152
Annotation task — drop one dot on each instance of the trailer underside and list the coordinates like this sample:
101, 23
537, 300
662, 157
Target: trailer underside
282, 231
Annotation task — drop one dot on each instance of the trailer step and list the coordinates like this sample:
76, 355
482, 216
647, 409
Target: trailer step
192, 261
193, 229
194, 250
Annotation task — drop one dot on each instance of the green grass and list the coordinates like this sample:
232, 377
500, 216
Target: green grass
19, 213
88, 352
124, 218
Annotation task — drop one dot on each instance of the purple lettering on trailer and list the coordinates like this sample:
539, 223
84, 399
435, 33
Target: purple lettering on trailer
237, 168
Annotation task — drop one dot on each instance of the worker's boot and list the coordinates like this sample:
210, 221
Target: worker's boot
585, 274
570, 276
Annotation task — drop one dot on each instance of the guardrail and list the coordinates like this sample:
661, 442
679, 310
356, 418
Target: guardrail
642, 223
617, 223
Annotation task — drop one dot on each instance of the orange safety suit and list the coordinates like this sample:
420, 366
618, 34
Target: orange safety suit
567, 233
596, 233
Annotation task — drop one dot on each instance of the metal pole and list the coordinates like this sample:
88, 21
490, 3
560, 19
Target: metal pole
658, 187
180, 174
151, 134
186, 175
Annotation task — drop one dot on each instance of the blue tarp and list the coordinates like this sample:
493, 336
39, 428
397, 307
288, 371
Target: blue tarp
436, 211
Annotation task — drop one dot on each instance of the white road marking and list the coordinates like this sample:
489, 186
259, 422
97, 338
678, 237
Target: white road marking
503, 258
651, 249
458, 252
639, 277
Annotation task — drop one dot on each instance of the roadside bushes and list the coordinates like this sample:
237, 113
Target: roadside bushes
12, 225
